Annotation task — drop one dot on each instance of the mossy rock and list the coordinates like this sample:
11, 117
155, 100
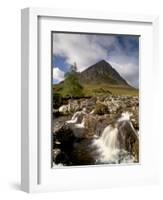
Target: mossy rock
101, 109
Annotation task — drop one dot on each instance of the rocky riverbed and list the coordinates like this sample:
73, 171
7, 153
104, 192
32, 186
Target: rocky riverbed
96, 130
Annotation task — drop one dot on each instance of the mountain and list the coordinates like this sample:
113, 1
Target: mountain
101, 79
101, 73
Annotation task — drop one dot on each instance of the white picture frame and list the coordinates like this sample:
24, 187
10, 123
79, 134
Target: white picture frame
36, 173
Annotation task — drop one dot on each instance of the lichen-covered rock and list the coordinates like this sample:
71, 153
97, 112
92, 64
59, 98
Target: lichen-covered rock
101, 109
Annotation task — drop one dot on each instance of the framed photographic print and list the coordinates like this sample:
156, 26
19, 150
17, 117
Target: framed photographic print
89, 93
95, 109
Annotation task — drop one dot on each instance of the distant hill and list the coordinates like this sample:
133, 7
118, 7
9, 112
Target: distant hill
101, 73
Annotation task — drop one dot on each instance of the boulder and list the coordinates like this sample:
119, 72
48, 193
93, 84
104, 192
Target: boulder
95, 124
101, 109
64, 109
89, 104
73, 105
128, 138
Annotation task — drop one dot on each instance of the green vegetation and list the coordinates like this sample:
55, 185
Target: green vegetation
71, 86
107, 89
101, 89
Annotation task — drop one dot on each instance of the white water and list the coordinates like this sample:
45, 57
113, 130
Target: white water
76, 116
78, 123
125, 116
108, 145
57, 165
73, 120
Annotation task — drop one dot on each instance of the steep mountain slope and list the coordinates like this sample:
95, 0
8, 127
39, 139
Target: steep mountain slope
101, 73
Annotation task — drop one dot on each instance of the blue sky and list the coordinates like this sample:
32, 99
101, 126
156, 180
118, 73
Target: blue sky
121, 51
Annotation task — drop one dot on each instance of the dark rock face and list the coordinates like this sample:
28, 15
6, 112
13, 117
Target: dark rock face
64, 138
84, 153
63, 141
101, 72
72, 150
128, 138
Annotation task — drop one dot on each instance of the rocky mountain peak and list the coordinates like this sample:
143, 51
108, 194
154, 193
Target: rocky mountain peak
101, 72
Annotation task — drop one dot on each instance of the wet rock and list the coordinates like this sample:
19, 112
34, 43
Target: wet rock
62, 158
64, 110
128, 138
56, 113
84, 153
56, 152
59, 122
65, 137
95, 124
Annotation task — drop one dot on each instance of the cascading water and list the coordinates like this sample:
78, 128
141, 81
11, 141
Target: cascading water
77, 123
109, 147
77, 117
111, 139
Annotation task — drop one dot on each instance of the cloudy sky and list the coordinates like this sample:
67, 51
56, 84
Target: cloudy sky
121, 51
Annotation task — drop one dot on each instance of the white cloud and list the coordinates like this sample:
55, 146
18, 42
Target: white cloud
78, 48
58, 75
129, 71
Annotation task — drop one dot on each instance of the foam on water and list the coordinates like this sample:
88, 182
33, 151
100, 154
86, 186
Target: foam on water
125, 116
108, 145
80, 125
57, 165
76, 116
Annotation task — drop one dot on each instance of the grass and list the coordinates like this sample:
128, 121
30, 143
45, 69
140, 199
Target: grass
93, 90
102, 89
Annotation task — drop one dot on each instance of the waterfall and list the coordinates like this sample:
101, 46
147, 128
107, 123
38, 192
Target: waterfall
110, 139
125, 117
80, 125
77, 123
77, 117
108, 145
